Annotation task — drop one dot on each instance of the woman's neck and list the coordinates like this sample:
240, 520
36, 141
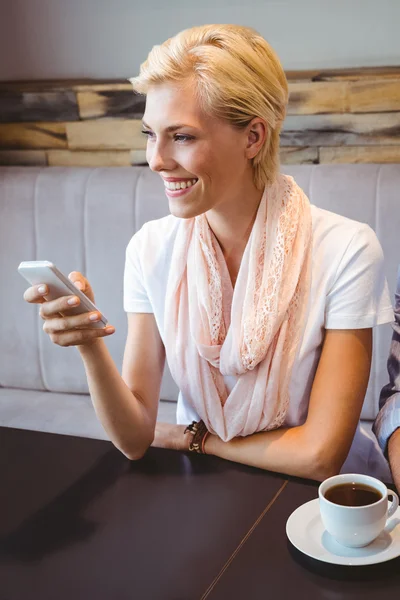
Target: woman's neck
232, 223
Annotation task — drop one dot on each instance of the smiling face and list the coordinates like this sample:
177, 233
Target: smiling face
204, 161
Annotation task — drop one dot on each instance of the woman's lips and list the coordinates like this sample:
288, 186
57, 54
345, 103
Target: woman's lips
182, 191
178, 193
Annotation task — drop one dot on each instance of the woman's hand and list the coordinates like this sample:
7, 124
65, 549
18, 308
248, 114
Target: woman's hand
65, 329
171, 436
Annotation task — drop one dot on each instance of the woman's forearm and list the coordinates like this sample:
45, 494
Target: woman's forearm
394, 457
289, 451
122, 414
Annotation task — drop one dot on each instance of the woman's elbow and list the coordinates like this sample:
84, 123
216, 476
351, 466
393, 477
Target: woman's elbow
135, 454
322, 456
135, 451
325, 463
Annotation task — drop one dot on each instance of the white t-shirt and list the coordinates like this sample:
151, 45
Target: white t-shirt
348, 291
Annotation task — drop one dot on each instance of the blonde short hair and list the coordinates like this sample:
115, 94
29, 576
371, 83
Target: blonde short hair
236, 75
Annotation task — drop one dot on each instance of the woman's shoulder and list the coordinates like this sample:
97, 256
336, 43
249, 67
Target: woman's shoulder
331, 230
155, 236
325, 220
344, 250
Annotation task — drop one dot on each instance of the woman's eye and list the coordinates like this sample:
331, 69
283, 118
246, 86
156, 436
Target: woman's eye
177, 137
147, 133
183, 138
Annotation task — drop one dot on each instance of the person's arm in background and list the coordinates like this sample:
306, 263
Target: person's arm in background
387, 423
394, 456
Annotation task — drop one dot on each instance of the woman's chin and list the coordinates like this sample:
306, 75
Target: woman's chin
184, 212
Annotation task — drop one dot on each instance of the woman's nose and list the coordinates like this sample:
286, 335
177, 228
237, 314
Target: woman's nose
158, 158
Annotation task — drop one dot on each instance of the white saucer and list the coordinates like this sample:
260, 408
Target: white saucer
305, 530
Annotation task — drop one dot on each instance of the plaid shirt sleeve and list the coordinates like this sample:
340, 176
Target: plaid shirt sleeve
388, 419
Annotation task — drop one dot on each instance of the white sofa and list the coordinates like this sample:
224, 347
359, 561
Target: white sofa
82, 219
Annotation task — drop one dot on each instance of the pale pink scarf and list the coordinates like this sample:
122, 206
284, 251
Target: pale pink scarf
252, 332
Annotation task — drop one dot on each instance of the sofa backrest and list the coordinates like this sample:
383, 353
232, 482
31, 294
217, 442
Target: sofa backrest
82, 219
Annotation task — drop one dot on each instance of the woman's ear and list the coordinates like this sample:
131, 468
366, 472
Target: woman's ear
256, 132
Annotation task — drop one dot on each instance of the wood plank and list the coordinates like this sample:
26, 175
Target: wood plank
23, 158
19, 107
301, 76
68, 158
298, 156
138, 157
345, 129
310, 98
15, 136
99, 158
348, 74
75, 85
97, 85
110, 104
367, 96
374, 96
355, 74
360, 154
106, 134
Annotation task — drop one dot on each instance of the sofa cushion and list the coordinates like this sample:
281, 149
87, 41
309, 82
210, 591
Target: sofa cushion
83, 218
67, 414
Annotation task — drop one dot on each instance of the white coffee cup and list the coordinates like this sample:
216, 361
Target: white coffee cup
356, 526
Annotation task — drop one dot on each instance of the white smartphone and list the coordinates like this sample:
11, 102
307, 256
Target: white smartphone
43, 271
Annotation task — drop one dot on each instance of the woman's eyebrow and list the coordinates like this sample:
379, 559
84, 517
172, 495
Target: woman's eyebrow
171, 127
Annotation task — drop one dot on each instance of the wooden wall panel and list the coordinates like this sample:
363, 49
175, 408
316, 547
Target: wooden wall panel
350, 74
76, 85
336, 115
15, 136
308, 98
374, 96
110, 104
98, 158
370, 96
300, 156
71, 158
106, 134
341, 129
23, 158
16, 107
357, 154
138, 157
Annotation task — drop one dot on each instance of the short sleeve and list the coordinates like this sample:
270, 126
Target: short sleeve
387, 421
359, 297
135, 296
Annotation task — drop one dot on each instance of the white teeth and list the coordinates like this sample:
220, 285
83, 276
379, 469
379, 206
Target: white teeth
179, 185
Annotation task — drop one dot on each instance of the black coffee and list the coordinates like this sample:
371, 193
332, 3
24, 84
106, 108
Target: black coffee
353, 494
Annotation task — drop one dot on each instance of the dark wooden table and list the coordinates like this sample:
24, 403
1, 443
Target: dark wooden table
78, 520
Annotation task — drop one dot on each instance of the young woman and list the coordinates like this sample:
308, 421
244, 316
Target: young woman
262, 303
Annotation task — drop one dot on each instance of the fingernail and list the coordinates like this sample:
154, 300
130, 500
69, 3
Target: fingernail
110, 329
72, 301
42, 289
94, 317
78, 285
